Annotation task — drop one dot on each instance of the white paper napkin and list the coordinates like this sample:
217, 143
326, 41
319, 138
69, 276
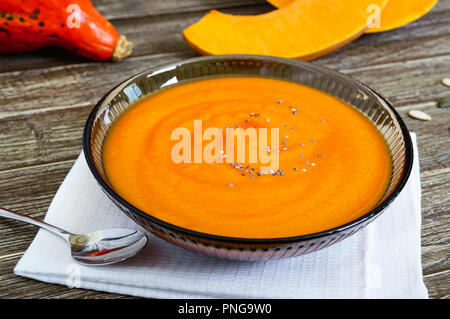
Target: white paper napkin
382, 261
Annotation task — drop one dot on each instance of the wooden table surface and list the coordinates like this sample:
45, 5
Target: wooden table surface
46, 96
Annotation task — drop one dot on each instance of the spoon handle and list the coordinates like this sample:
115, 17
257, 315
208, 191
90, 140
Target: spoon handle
58, 231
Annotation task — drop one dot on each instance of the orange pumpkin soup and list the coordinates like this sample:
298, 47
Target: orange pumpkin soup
333, 164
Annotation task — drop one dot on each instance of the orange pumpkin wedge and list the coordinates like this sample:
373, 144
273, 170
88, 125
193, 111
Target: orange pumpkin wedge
396, 14
303, 29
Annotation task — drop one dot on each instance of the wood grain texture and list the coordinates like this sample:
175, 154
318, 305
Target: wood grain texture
132, 9
438, 285
21, 287
45, 97
415, 82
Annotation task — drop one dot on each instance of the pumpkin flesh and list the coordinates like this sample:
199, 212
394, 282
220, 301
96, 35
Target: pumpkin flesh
303, 29
396, 14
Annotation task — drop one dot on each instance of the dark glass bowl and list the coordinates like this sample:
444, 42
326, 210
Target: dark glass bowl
376, 108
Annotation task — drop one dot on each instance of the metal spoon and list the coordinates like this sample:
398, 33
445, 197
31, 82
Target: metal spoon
99, 248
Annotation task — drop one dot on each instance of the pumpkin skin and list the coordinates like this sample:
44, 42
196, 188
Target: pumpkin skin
27, 25
396, 14
304, 29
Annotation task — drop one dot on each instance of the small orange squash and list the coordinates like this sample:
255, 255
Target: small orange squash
397, 13
73, 24
303, 29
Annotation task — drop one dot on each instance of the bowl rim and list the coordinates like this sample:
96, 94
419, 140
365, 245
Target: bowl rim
375, 212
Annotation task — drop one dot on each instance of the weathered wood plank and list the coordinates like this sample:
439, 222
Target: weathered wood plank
438, 285
405, 83
433, 137
15, 287
414, 82
81, 84
131, 9
41, 138
436, 221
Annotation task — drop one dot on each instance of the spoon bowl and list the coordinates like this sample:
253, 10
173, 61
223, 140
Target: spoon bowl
107, 246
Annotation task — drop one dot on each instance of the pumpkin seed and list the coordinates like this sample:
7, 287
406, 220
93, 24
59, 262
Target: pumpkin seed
446, 82
420, 115
444, 102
